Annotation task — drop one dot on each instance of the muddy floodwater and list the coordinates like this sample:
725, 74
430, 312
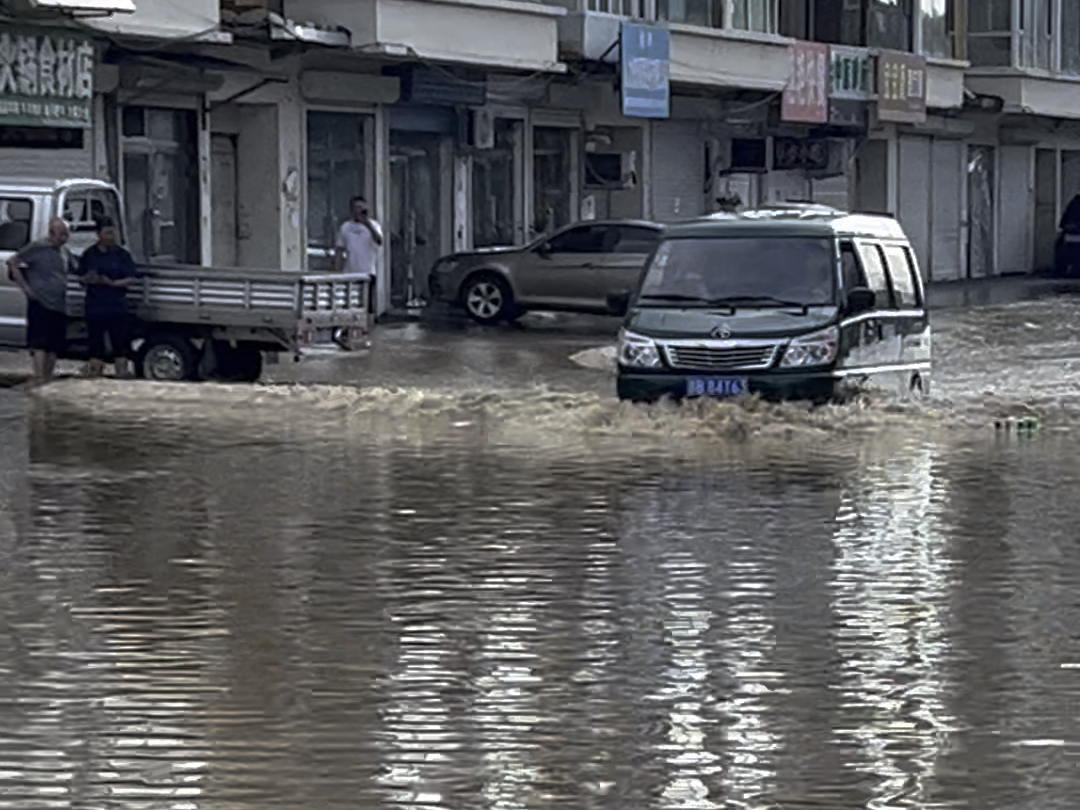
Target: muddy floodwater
507, 595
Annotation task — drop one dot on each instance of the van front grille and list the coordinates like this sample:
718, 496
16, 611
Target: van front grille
716, 358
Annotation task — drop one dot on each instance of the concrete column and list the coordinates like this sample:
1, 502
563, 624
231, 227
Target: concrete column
291, 141
206, 228
382, 195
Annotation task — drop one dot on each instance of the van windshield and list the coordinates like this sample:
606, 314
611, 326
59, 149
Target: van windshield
756, 271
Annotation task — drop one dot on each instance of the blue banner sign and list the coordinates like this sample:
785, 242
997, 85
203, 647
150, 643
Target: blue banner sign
646, 58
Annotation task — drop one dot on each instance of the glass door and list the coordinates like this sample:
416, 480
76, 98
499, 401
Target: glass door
416, 214
161, 188
336, 172
496, 212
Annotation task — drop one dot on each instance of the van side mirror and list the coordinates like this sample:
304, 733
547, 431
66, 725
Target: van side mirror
861, 299
618, 304
544, 249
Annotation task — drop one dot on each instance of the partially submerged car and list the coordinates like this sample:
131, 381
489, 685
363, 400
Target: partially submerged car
797, 302
577, 269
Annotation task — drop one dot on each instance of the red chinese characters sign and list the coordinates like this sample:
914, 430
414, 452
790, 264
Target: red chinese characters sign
901, 80
806, 97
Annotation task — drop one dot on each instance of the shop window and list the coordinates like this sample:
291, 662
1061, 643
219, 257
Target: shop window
553, 197
15, 217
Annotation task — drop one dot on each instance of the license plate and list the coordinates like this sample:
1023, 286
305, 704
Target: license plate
716, 386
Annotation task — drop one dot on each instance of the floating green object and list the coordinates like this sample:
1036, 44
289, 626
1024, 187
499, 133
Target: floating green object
1025, 424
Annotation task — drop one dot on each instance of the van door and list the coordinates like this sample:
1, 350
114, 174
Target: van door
912, 322
882, 321
872, 336
17, 216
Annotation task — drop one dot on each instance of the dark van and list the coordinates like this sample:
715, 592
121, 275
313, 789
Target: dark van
799, 302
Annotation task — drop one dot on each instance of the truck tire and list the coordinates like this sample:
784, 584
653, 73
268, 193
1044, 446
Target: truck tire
239, 364
487, 298
168, 358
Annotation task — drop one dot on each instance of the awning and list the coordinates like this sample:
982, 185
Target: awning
85, 6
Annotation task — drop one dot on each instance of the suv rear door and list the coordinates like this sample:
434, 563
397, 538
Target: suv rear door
619, 270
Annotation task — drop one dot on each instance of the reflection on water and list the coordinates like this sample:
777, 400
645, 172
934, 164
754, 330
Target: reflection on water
217, 613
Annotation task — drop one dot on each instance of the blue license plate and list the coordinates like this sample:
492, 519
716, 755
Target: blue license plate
716, 386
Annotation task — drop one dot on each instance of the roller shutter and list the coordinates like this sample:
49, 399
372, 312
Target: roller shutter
678, 170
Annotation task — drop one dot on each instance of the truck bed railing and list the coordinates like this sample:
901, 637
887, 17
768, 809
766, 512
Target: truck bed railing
196, 294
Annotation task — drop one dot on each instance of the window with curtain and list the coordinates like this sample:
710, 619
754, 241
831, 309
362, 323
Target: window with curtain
692, 12
753, 15
936, 24
990, 32
1070, 38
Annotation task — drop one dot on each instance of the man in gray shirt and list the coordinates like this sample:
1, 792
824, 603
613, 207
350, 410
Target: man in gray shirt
41, 270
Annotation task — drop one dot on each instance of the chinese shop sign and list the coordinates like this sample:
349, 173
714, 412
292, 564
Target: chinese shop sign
46, 79
901, 87
807, 92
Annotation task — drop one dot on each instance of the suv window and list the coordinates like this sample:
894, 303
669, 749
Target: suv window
584, 239
636, 240
874, 266
16, 213
902, 272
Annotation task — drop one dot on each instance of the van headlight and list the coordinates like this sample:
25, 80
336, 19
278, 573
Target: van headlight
815, 349
636, 351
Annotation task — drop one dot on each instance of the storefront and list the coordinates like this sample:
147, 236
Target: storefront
49, 117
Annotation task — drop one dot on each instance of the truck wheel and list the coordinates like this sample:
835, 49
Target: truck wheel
240, 364
167, 358
487, 298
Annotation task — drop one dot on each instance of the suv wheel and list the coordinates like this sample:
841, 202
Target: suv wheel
487, 298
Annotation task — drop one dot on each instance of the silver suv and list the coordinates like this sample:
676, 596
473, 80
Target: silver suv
581, 268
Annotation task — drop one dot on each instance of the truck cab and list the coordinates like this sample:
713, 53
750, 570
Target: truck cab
26, 206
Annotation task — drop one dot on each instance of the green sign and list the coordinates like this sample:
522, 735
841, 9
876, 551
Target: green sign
46, 78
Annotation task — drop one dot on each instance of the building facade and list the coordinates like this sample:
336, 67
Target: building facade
238, 130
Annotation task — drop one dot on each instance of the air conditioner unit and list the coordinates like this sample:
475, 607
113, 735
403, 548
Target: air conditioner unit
610, 170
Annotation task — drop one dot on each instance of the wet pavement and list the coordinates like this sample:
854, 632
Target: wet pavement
453, 572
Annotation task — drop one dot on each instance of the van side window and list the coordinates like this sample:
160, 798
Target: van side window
874, 265
902, 272
15, 218
851, 272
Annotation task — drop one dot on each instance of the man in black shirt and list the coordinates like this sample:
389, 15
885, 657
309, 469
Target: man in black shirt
107, 270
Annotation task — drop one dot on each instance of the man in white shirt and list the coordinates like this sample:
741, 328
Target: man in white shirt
357, 249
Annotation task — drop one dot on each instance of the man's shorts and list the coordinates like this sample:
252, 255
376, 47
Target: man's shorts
46, 329
117, 327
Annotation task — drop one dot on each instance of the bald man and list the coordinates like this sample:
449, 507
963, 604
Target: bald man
41, 270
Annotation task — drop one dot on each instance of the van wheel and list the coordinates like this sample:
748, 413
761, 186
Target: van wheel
168, 358
487, 298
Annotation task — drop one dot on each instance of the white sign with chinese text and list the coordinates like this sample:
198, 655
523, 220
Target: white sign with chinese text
46, 78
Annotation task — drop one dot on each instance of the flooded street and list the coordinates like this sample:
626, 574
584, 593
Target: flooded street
477, 581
